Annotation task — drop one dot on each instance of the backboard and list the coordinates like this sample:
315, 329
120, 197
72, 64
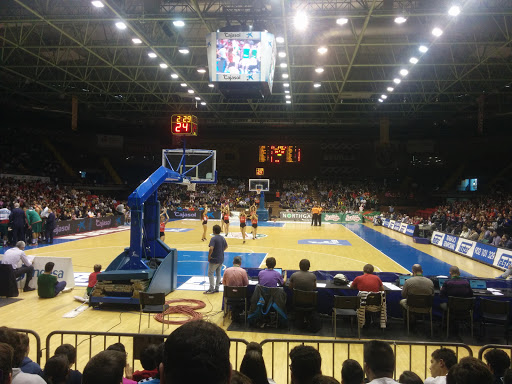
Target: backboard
195, 165
261, 184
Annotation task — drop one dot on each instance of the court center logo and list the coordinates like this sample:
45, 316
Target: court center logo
248, 236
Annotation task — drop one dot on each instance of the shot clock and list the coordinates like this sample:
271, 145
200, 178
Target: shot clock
184, 125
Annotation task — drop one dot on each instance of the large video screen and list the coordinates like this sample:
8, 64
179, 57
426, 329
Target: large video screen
238, 56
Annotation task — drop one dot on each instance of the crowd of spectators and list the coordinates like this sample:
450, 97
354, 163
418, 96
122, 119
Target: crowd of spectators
199, 352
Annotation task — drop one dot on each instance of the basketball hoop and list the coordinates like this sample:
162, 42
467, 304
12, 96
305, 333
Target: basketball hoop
190, 186
258, 191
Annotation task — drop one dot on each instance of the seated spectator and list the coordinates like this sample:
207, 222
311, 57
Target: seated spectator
455, 286
10, 337
409, 377
149, 359
128, 370
56, 370
498, 362
188, 355
13, 256
74, 376
351, 372
235, 276
27, 365
469, 370
105, 368
268, 277
465, 232
473, 235
303, 279
47, 284
321, 379
416, 285
496, 239
367, 282
507, 273
253, 365
379, 362
440, 363
6, 355
306, 363
507, 379
505, 241
93, 278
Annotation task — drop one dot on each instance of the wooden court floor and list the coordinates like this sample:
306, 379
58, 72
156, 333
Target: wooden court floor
45, 315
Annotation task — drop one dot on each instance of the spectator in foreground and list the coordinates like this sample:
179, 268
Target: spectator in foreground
27, 365
507, 379
469, 371
74, 376
239, 378
440, 363
306, 363
409, 377
149, 359
321, 379
189, 352
128, 370
6, 355
56, 370
10, 337
105, 368
379, 362
351, 372
498, 362
253, 365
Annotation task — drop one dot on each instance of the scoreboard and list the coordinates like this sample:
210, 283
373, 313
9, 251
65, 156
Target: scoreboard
279, 154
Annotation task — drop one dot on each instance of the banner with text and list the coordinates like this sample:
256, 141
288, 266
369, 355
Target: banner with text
70, 227
295, 216
63, 269
335, 217
406, 229
194, 215
485, 253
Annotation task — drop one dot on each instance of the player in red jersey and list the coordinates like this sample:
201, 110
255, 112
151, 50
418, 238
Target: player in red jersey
163, 220
225, 219
254, 222
204, 219
243, 219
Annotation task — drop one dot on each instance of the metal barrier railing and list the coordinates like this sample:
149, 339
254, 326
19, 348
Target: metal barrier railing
37, 350
414, 355
95, 342
492, 346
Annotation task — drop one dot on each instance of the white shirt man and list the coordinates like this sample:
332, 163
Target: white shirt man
13, 256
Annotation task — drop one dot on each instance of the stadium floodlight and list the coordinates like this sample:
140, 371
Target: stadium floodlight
319, 70
322, 50
97, 4
203, 103
413, 60
288, 101
211, 85
285, 75
390, 89
286, 85
174, 75
190, 91
120, 25
397, 81
201, 70
437, 32
282, 54
198, 98
383, 97
400, 20
183, 84
288, 96
179, 23
342, 21
301, 21
454, 10
404, 72
317, 85
423, 48
163, 65
283, 65
380, 100
136, 41
183, 50
280, 39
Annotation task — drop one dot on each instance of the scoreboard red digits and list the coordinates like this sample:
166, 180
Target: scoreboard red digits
184, 125
278, 154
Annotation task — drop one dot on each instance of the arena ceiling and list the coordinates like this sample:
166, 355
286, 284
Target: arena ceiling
51, 50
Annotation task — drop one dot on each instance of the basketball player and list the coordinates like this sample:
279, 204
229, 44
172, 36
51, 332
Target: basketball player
254, 222
243, 219
163, 220
225, 219
204, 218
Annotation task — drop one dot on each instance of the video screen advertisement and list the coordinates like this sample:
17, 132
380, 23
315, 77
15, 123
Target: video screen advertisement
241, 57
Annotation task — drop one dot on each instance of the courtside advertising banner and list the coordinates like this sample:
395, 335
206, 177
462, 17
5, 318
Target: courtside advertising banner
63, 269
406, 229
295, 216
485, 253
71, 227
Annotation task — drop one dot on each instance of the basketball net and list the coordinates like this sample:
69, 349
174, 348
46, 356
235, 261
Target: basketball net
190, 186
258, 191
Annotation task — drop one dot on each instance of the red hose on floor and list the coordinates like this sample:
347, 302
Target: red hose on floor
187, 310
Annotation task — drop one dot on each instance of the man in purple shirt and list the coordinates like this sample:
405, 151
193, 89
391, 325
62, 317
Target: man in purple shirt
270, 278
455, 286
